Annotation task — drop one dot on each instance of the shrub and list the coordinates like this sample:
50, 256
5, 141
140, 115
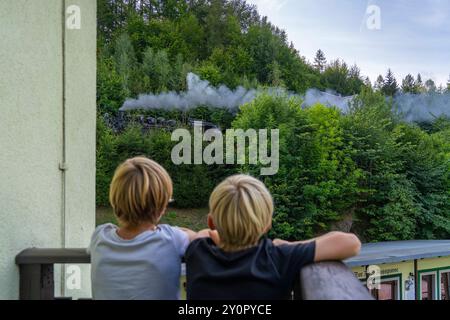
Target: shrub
106, 161
386, 179
317, 180
405, 173
192, 183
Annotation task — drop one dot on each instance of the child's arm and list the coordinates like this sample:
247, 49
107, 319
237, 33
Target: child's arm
196, 235
332, 246
337, 246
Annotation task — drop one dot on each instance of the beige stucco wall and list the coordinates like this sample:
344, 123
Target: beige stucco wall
33, 210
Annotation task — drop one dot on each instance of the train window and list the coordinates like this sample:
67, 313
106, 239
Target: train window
445, 285
428, 285
389, 290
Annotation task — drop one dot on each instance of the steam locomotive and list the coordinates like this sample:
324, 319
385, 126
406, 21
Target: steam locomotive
122, 120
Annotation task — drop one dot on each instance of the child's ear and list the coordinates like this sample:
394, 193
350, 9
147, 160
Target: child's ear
211, 224
268, 228
162, 214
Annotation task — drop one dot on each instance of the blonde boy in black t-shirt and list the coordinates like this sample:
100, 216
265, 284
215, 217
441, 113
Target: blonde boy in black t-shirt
238, 262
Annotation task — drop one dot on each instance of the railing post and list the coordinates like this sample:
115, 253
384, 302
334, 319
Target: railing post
36, 282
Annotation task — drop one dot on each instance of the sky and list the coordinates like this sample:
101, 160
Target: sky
408, 36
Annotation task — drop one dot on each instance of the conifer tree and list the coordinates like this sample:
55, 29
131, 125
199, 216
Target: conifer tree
408, 84
320, 61
367, 82
430, 86
125, 60
419, 84
390, 86
378, 85
275, 76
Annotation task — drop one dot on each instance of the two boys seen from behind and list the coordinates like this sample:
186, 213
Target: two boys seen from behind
232, 260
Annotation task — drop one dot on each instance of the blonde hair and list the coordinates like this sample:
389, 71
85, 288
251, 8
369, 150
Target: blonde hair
241, 208
140, 191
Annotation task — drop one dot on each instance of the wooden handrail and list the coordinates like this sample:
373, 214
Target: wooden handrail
52, 256
321, 281
331, 281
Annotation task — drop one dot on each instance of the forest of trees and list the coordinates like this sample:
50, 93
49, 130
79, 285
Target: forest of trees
391, 177
150, 46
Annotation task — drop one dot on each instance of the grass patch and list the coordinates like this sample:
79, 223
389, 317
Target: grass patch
194, 219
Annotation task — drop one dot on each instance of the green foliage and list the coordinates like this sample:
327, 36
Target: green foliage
390, 86
157, 70
210, 72
386, 179
409, 85
320, 61
106, 162
125, 60
110, 89
405, 173
190, 37
152, 45
113, 149
342, 79
317, 181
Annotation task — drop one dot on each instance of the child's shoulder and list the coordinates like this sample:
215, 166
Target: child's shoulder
101, 229
172, 232
167, 228
104, 227
201, 246
178, 238
99, 234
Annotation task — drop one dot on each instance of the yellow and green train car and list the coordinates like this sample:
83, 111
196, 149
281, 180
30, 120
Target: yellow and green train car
405, 270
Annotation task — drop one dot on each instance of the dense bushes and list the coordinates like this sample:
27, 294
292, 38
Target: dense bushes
317, 181
365, 171
387, 180
192, 184
406, 173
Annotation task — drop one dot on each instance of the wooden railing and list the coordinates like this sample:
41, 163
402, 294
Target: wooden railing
331, 281
321, 281
36, 268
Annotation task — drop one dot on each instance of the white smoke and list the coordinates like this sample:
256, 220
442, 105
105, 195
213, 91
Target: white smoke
414, 107
424, 107
199, 93
329, 99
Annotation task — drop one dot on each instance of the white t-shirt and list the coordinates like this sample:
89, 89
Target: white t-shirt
147, 267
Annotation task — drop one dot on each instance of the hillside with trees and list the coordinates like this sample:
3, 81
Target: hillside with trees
366, 171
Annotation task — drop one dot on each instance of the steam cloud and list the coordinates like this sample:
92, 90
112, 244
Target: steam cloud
414, 107
199, 92
423, 107
314, 96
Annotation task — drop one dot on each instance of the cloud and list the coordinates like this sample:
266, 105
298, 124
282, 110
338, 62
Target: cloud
269, 7
435, 19
435, 14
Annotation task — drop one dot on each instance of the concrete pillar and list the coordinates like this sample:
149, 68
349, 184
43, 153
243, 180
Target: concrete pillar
47, 131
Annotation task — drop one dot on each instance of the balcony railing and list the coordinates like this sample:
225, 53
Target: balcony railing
321, 281
36, 268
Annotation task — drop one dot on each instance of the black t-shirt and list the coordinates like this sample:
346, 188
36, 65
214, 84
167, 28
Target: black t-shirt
264, 272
